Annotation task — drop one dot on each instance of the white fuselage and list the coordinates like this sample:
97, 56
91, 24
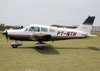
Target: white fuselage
53, 31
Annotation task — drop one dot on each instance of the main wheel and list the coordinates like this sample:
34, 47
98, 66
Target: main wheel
14, 46
40, 48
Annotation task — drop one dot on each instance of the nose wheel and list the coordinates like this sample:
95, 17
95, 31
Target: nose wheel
16, 44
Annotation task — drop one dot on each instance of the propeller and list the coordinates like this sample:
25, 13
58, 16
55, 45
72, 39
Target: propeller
6, 34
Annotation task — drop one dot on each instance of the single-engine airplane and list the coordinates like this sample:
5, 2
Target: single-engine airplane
42, 33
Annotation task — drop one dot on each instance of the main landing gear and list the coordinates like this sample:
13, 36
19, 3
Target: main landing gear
40, 45
16, 44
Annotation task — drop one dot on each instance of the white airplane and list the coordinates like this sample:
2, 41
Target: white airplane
42, 33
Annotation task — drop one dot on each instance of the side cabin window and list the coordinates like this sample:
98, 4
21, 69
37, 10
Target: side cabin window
51, 30
34, 29
37, 29
44, 29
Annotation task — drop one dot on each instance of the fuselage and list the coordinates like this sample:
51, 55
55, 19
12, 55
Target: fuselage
25, 34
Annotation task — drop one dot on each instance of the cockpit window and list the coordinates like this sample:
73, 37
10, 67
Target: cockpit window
44, 29
34, 29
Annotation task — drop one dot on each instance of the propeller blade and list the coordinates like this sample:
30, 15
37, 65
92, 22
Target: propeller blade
6, 36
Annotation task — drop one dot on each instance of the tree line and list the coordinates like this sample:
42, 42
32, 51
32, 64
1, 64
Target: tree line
3, 27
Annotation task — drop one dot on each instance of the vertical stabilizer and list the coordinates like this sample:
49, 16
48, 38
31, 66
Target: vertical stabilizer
86, 26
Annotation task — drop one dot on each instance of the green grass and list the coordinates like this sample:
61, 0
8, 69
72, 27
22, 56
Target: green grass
67, 55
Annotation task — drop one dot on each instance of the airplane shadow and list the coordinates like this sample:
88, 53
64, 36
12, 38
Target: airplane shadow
90, 47
94, 48
49, 50
69, 48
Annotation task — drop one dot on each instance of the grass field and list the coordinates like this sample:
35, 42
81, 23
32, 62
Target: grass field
67, 55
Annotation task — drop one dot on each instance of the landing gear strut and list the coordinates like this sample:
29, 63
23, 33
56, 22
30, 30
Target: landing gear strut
40, 45
15, 44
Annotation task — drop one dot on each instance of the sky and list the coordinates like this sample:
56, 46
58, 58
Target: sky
47, 12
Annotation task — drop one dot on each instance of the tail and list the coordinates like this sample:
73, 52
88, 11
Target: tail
87, 25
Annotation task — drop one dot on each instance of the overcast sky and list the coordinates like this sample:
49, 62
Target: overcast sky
47, 12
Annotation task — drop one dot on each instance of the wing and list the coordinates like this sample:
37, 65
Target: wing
41, 37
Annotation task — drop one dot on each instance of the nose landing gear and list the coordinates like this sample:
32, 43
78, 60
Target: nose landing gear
16, 44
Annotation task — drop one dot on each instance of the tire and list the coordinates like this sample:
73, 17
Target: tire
40, 48
14, 46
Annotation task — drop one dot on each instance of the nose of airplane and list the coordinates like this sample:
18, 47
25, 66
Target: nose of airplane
4, 33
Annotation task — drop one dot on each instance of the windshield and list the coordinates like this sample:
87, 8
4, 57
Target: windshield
34, 29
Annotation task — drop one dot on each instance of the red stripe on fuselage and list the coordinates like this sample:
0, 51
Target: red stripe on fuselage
12, 35
68, 36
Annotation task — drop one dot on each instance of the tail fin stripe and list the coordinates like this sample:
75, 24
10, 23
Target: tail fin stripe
89, 20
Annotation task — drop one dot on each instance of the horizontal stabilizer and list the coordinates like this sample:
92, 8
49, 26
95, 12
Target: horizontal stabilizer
92, 35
